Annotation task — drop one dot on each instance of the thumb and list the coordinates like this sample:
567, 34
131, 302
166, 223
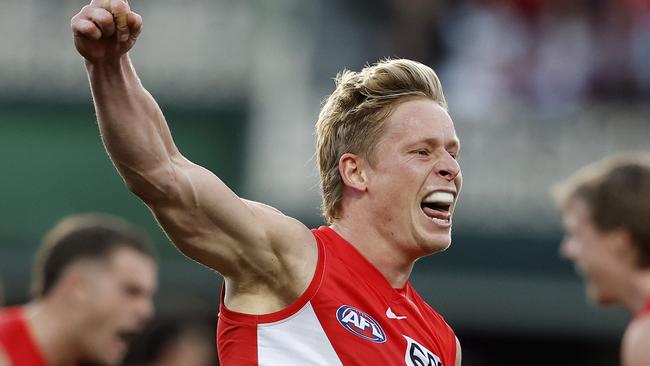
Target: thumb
120, 10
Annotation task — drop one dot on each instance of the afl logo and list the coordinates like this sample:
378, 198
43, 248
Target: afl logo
360, 324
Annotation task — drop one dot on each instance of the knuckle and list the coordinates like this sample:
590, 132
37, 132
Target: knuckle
119, 6
74, 21
87, 27
102, 18
86, 10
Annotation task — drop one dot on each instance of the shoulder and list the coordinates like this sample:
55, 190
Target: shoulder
636, 342
9, 312
282, 227
9, 318
4, 359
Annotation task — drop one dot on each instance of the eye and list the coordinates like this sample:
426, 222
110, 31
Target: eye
422, 152
453, 155
132, 290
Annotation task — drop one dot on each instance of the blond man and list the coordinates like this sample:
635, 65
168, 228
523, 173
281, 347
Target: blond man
334, 295
606, 210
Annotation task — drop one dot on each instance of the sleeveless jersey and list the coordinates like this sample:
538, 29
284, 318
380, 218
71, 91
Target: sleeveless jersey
349, 315
16, 341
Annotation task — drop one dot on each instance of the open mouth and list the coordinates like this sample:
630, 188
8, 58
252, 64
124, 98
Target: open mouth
127, 336
437, 206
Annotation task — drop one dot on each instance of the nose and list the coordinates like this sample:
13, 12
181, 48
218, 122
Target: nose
448, 167
568, 249
146, 309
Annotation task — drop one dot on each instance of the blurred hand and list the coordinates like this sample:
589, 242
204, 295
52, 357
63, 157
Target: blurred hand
105, 30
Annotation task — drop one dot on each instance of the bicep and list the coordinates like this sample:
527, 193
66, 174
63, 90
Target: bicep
459, 353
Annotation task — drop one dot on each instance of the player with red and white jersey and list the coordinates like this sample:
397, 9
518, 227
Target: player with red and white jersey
387, 152
92, 291
606, 207
17, 345
349, 315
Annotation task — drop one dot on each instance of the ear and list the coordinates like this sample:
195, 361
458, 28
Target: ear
351, 168
74, 283
624, 246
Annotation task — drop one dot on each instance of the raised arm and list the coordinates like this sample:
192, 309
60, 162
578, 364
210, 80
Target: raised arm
247, 242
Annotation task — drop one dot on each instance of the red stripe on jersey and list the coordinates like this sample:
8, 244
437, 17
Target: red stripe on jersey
16, 339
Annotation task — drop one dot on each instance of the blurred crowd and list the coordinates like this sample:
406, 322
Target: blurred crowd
544, 56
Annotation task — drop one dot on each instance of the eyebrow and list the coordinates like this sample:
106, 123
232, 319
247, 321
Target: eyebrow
453, 144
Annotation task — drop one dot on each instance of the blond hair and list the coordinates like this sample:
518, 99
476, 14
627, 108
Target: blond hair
616, 192
352, 118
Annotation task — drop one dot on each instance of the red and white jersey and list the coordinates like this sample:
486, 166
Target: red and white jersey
16, 340
349, 315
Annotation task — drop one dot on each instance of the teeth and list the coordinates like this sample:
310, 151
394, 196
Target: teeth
439, 221
439, 197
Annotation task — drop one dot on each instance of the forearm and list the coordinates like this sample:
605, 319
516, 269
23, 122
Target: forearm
133, 128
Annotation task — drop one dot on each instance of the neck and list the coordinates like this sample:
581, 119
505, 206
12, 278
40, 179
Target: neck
638, 292
52, 331
381, 252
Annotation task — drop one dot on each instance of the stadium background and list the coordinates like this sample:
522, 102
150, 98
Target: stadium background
536, 88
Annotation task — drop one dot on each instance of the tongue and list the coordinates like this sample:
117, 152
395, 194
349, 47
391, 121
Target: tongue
436, 213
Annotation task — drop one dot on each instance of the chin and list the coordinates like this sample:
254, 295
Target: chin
103, 361
437, 244
442, 248
113, 359
600, 298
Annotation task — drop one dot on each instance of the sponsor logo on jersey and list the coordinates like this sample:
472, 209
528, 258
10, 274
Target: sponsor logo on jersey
360, 324
391, 315
419, 355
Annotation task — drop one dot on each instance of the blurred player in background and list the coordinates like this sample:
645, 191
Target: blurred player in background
173, 342
93, 281
335, 295
606, 210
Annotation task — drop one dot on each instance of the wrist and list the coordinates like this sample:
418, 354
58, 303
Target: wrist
109, 66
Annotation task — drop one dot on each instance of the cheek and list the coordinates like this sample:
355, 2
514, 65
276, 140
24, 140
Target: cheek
108, 306
598, 262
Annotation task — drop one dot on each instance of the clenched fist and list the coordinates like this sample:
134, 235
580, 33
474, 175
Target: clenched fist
104, 30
